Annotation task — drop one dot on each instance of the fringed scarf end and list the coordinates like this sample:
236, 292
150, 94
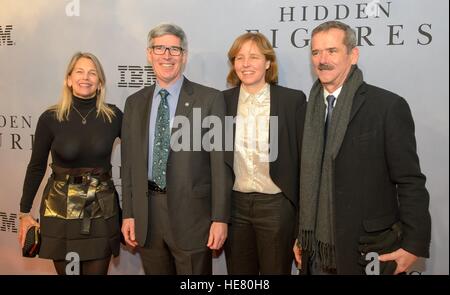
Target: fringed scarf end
327, 256
306, 240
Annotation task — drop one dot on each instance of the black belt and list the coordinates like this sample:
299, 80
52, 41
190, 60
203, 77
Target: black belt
152, 186
79, 179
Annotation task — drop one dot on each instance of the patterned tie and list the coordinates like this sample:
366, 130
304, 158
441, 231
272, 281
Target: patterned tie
162, 141
330, 100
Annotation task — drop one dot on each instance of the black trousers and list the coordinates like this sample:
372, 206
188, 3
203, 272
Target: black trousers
160, 254
261, 234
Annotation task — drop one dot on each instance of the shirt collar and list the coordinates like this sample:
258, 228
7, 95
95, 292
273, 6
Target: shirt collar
260, 96
335, 94
174, 89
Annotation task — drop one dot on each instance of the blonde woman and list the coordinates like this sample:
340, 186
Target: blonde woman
79, 208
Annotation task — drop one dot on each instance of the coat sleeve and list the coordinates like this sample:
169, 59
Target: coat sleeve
404, 170
37, 166
126, 148
221, 178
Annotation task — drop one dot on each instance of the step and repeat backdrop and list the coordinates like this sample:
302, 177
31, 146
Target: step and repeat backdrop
403, 44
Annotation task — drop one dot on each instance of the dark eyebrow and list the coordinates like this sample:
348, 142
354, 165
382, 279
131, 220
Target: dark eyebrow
326, 49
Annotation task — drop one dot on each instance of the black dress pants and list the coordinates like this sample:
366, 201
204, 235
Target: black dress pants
261, 234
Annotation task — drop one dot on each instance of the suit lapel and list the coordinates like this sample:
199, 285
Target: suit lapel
145, 113
232, 105
275, 99
185, 105
358, 101
186, 100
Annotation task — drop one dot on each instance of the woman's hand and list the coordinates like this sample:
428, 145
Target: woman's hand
25, 223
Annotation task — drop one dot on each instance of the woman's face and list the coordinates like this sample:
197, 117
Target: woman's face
84, 79
250, 66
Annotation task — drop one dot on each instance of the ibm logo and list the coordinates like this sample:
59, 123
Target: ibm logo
136, 76
5, 36
8, 222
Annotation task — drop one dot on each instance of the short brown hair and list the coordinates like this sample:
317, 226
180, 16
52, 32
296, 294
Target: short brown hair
267, 50
350, 35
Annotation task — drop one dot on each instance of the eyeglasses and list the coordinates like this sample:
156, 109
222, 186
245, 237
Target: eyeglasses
161, 49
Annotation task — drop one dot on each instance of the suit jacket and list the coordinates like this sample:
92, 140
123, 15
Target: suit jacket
290, 107
377, 178
197, 191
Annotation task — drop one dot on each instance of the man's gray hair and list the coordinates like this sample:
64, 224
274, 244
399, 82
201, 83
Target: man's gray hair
167, 29
350, 35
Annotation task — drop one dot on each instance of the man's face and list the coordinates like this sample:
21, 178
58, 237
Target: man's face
330, 58
167, 68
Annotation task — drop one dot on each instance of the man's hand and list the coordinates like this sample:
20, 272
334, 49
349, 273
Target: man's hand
217, 235
403, 258
298, 254
128, 232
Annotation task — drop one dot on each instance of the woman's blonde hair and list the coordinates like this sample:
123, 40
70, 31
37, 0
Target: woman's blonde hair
62, 109
266, 49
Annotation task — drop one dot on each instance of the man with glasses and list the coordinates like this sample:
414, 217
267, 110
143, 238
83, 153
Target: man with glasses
175, 202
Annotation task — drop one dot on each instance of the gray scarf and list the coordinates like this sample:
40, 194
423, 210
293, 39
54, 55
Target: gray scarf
316, 224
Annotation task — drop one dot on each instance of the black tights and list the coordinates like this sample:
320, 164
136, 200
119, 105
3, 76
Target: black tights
90, 267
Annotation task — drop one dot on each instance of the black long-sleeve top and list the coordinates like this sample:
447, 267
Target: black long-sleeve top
72, 144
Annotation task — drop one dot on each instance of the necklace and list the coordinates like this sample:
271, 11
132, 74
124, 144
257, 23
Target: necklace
83, 118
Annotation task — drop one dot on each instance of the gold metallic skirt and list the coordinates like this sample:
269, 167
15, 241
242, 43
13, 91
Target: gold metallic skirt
80, 193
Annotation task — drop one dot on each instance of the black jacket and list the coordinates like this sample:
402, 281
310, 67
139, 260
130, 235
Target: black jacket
290, 107
377, 178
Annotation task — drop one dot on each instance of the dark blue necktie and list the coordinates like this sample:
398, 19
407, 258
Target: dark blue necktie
161, 144
330, 107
